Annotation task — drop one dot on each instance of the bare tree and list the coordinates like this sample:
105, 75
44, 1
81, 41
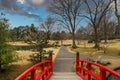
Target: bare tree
67, 11
118, 17
83, 33
95, 10
105, 25
47, 27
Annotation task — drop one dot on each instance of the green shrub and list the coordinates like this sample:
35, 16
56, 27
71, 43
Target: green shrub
7, 54
38, 57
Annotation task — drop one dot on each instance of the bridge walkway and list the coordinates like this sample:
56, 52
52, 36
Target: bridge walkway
64, 66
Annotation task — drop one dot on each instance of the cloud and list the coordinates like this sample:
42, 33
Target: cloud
21, 1
38, 3
17, 7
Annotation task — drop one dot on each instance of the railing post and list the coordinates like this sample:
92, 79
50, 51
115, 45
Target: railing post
51, 62
77, 62
89, 69
102, 74
33, 75
42, 67
48, 71
82, 66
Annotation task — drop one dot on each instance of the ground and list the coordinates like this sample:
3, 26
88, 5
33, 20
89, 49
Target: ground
112, 49
19, 67
109, 52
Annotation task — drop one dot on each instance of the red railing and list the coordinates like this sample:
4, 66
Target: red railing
84, 68
40, 71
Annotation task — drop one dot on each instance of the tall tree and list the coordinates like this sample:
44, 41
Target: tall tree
67, 12
56, 36
19, 32
80, 34
118, 17
6, 51
47, 27
31, 33
25, 33
105, 25
95, 10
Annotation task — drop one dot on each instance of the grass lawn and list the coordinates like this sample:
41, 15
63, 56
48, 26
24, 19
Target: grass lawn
112, 48
84, 50
23, 50
115, 63
14, 71
112, 52
91, 50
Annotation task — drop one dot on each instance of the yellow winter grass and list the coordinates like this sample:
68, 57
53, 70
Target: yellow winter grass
19, 43
112, 48
24, 54
20, 66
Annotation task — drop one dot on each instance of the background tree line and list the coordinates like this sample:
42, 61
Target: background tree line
101, 15
102, 21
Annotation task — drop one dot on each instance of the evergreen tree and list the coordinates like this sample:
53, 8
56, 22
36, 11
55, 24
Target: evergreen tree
6, 51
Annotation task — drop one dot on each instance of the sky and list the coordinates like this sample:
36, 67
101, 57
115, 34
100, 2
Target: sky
26, 12
18, 20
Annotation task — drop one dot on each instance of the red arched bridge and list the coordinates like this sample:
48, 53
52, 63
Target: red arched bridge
84, 69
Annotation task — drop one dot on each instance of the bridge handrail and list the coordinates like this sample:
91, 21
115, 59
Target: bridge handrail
46, 70
84, 69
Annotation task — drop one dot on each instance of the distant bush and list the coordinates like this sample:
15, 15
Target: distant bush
90, 41
55, 44
38, 57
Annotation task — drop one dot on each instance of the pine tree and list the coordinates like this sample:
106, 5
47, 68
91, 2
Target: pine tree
7, 54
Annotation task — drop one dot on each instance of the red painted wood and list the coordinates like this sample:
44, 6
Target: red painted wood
89, 69
33, 73
86, 71
77, 62
102, 73
83, 69
45, 72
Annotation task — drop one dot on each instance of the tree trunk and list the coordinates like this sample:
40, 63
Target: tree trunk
73, 40
40, 56
105, 39
0, 66
117, 32
118, 19
61, 42
105, 34
96, 39
118, 26
78, 42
